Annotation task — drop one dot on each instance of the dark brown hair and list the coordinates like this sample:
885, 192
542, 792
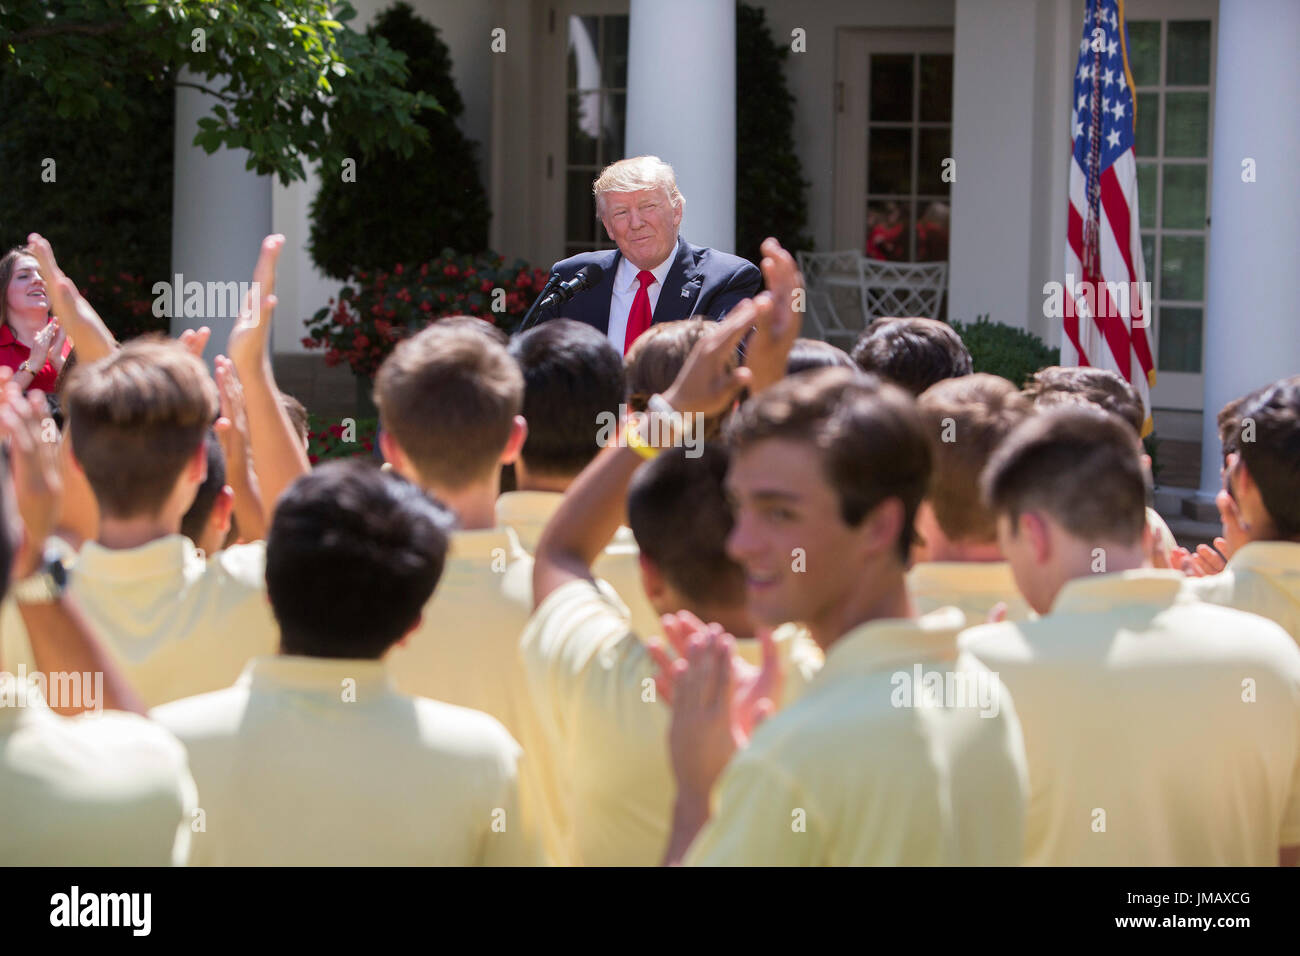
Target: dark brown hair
1060, 385
677, 510
911, 352
1077, 463
868, 436
136, 417
448, 396
1273, 457
966, 419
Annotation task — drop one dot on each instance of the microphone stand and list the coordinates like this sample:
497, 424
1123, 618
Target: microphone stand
550, 286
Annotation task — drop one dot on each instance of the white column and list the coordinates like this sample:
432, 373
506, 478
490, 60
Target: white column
1251, 333
220, 214
681, 106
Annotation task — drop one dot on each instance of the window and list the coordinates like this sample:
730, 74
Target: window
909, 134
596, 110
1171, 65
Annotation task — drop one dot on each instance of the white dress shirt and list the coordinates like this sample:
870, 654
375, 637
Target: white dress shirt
625, 289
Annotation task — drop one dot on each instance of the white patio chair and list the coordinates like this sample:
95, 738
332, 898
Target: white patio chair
823, 274
902, 288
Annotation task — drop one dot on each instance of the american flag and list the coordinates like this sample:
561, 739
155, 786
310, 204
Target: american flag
1104, 328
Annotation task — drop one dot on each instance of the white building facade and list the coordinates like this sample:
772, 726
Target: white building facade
885, 91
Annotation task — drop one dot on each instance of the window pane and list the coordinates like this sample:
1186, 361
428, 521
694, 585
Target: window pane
584, 124
1149, 254
936, 88
1189, 53
1182, 268
1187, 123
612, 121
888, 225
1184, 197
935, 147
1180, 340
580, 219
932, 232
613, 54
584, 62
1148, 124
1147, 195
891, 87
889, 160
1144, 51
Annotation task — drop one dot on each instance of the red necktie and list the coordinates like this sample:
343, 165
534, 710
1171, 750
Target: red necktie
638, 320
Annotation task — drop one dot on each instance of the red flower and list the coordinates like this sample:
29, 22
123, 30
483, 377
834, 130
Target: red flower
397, 270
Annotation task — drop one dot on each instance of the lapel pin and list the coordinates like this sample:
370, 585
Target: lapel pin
686, 293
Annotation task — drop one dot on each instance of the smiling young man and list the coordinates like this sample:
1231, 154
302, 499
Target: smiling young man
1261, 509
654, 275
587, 663
827, 470
1159, 731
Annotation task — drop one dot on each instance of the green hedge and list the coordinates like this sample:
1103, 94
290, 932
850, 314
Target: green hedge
1004, 350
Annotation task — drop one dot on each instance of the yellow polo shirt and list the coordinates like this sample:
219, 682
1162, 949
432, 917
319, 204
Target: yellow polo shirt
594, 682
466, 652
1160, 731
175, 623
526, 514
973, 587
1263, 577
320, 762
108, 789
869, 768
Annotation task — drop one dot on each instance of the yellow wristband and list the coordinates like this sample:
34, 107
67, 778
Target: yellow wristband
632, 437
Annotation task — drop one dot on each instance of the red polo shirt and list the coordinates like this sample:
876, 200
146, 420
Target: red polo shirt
13, 353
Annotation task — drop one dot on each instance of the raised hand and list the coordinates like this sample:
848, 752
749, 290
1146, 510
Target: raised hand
250, 334
757, 689
196, 340
38, 481
768, 350
86, 329
708, 383
41, 344
701, 738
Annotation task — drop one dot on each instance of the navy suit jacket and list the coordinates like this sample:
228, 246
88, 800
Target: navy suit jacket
700, 282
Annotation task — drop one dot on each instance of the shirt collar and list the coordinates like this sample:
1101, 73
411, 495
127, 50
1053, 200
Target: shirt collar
627, 272
1266, 556
964, 577
1105, 592
526, 513
481, 544
170, 554
891, 641
7, 335
327, 674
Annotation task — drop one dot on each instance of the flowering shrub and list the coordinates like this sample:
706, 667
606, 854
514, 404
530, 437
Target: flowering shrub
366, 322
123, 300
326, 439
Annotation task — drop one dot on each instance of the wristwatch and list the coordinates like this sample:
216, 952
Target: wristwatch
26, 366
47, 585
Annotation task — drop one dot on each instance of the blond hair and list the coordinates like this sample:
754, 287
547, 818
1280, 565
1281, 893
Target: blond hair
631, 175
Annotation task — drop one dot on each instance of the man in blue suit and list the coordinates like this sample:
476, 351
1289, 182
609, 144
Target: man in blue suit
654, 275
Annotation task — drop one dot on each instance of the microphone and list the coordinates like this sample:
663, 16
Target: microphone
587, 277
532, 311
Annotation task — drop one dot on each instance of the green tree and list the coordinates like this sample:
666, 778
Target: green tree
769, 178
284, 75
435, 186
